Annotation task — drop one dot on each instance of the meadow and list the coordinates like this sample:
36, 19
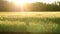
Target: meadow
36, 22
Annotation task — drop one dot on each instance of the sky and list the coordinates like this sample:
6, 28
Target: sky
46, 1
31, 1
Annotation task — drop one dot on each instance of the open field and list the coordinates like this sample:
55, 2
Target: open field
37, 22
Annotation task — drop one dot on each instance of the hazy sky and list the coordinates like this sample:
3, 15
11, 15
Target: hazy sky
30, 1
47, 1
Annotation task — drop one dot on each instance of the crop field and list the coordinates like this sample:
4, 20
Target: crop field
36, 22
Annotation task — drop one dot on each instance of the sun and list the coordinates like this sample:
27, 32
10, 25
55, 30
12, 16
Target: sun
21, 1
17, 1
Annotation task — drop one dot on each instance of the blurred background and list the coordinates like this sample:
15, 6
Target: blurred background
29, 5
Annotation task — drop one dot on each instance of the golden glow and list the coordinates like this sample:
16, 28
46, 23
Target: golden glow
31, 1
21, 1
9, 0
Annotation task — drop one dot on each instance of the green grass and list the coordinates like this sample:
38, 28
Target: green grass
29, 24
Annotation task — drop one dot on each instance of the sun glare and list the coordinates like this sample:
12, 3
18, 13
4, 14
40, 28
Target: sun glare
31, 1
21, 1
9, 0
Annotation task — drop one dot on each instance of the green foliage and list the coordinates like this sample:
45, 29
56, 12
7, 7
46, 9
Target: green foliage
44, 7
12, 28
31, 24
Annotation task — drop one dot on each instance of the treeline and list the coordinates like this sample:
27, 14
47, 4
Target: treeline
37, 6
45, 7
